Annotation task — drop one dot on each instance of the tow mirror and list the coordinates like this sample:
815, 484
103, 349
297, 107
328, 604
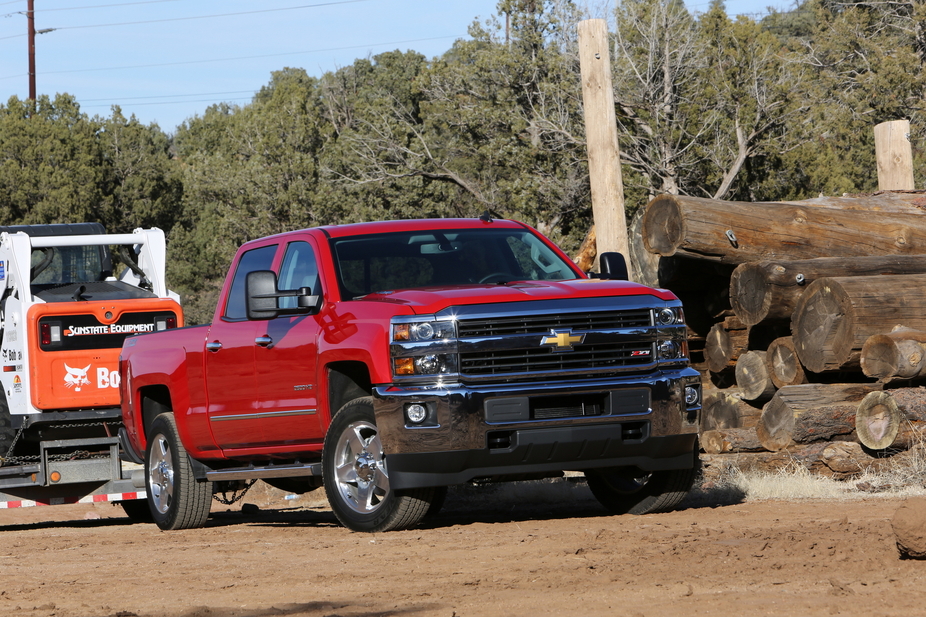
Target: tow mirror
263, 298
613, 267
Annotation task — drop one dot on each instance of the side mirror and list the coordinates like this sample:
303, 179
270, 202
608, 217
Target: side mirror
260, 287
613, 267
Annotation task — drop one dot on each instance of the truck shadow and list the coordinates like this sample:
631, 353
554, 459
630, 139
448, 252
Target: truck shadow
511, 502
97, 523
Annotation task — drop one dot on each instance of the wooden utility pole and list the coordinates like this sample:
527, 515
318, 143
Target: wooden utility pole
604, 166
30, 19
894, 156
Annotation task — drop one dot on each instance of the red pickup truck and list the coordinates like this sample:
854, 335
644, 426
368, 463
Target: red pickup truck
387, 361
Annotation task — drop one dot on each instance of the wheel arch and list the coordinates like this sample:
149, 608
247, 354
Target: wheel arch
153, 401
346, 381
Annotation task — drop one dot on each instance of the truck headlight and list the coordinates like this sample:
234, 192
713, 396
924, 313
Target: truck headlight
423, 331
669, 316
672, 341
424, 346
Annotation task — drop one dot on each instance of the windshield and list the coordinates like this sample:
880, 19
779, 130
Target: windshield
386, 262
69, 264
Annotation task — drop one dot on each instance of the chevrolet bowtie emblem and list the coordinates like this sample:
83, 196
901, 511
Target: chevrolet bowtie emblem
563, 341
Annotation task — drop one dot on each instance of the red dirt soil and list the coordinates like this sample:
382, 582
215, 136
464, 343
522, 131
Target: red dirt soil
548, 550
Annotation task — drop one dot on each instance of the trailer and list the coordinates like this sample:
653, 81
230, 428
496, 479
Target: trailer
69, 296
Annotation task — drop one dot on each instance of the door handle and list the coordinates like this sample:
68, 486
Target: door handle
213, 346
264, 341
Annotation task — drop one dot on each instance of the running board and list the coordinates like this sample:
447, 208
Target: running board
270, 471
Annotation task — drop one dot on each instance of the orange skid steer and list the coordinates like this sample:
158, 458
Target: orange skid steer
69, 296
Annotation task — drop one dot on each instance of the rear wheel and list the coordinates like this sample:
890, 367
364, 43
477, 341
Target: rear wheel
7, 434
629, 490
176, 499
357, 477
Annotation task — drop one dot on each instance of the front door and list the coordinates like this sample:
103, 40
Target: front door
231, 379
287, 360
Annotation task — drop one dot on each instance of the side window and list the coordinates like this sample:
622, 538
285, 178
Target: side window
251, 261
299, 270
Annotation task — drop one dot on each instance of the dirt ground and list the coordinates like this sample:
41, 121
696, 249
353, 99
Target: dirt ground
524, 549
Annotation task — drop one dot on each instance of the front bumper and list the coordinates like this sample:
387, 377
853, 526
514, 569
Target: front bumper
491, 431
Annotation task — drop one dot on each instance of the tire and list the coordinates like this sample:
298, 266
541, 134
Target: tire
6, 429
175, 498
357, 477
632, 491
437, 502
137, 510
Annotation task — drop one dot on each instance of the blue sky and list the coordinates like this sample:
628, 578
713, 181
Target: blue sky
167, 60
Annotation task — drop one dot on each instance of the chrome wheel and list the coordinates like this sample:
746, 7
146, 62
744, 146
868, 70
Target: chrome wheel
161, 474
360, 468
176, 499
356, 477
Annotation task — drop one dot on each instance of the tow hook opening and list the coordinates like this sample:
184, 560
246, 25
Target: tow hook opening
634, 431
499, 440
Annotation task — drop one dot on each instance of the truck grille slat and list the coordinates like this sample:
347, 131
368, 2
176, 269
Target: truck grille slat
539, 359
526, 324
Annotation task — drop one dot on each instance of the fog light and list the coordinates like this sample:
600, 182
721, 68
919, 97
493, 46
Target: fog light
668, 350
691, 396
416, 413
429, 364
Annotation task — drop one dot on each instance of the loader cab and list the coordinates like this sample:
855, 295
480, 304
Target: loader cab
66, 264
70, 294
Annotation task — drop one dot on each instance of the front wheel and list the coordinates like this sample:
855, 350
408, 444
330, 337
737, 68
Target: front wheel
632, 491
176, 499
357, 476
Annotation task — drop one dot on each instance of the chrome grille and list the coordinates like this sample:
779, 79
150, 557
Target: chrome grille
596, 358
543, 323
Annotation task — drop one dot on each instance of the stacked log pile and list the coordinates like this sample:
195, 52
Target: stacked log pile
806, 319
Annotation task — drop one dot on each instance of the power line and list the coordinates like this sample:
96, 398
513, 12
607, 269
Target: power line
169, 96
79, 8
173, 19
102, 6
213, 101
291, 53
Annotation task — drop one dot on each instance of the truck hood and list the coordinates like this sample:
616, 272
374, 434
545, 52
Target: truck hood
433, 299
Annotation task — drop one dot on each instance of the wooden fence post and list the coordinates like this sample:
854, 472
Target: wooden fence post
894, 156
601, 138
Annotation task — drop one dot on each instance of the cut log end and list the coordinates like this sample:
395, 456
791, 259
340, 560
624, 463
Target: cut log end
823, 326
663, 226
879, 357
877, 420
749, 293
775, 426
784, 368
752, 377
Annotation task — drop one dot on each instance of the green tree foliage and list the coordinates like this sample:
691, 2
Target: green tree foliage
782, 108
51, 163
57, 165
140, 178
865, 66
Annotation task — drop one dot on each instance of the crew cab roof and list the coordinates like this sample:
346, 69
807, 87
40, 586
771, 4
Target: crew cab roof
379, 227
